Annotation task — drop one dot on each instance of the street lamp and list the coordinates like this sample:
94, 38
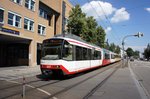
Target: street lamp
136, 35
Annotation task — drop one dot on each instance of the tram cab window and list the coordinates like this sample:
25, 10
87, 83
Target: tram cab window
52, 49
67, 51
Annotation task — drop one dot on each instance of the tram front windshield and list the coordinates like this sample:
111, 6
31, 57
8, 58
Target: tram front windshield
52, 49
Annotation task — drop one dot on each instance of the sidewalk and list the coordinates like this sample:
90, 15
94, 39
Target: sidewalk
122, 85
11, 73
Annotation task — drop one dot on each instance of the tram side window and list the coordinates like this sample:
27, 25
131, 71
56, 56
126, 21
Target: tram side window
85, 54
112, 56
107, 56
97, 55
79, 53
68, 52
89, 54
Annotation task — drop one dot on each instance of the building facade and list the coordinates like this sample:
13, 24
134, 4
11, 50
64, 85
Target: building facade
24, 24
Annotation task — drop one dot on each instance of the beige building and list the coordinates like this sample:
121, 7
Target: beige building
24, 24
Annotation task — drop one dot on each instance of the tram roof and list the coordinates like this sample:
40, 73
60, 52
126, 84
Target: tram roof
72, 36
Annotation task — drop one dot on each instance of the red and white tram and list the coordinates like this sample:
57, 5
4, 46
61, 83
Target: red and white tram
69, 55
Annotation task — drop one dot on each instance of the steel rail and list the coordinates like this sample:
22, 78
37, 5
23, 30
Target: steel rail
74, 85
100, 84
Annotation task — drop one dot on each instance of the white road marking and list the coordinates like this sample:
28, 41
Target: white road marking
55, 98
39, 89
43, 91
143, 92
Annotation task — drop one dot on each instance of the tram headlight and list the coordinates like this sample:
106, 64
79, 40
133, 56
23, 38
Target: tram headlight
57, 66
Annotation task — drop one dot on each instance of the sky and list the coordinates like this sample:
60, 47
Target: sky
120, 18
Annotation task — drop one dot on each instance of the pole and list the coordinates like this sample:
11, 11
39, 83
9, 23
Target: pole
23, 88
138, 35
123, 61
123, 54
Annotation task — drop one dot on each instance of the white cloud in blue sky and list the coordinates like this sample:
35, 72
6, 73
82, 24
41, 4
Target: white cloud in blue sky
103, 8
120, 15
95, 7
108, 29
148, 9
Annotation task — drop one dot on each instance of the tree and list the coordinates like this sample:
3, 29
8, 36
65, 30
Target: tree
90, 34
85, 27
147, 52
130, 52
100, 36
112, 47
77, 21
117, 49
136, 54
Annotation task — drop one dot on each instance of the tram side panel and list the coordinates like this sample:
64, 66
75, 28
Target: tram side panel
96, 58
106, 57
112, 57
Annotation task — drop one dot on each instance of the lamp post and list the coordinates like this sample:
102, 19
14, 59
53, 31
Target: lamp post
136, 35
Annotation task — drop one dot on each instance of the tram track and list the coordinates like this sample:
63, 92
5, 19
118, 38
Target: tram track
82, 81
32, 87
99, 84
28, 84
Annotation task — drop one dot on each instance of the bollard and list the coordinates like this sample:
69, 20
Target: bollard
23, 87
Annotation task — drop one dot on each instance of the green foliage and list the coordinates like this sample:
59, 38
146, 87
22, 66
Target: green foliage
147, 52
117, 50
136, 54
90, 33
100, 36
130, 52
77, 21
114, 48
88, 29
85, 27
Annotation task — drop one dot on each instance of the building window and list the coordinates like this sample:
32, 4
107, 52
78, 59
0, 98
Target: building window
14, 19
1, 15
17, 1
28, 24
42, 13
41, 29
30, 4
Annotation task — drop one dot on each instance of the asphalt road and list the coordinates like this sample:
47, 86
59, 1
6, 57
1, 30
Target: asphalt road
40, 87
110, 82
142, 71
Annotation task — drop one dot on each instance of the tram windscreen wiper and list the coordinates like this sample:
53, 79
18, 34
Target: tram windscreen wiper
50, 57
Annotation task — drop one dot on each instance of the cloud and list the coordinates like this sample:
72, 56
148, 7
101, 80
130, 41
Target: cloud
147, 9
120, 15
108, 29
98, 9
